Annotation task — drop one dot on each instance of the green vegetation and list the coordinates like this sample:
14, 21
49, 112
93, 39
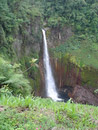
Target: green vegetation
83, 48
20, 24
15, 16
11, 77
81, 14
30, 68
43, 114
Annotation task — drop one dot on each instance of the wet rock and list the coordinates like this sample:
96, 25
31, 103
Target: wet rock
63, 92
83, 95
56, 36
70, 74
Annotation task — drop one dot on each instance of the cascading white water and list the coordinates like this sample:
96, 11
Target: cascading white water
49, 79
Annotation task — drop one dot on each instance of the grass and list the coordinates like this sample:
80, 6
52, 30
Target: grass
44, 114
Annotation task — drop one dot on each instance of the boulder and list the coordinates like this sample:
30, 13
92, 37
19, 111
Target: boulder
83, 95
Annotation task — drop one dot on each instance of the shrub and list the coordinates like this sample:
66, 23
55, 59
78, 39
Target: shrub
11, 76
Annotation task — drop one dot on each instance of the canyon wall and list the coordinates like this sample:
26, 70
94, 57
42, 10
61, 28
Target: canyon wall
82, 80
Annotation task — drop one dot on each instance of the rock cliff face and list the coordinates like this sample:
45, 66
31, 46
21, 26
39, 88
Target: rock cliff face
70, 74
80, 83
27, 42
28, 38
69, 77
57, 36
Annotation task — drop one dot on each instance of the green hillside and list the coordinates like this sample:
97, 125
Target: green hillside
44, 114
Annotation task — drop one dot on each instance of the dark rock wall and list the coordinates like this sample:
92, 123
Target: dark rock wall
27, 45
28, 38
57, 36
70, 78
81, 81
70, 74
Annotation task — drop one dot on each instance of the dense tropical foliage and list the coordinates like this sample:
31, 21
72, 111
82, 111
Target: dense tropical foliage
82, 14
17, 15
19, 74
11, 78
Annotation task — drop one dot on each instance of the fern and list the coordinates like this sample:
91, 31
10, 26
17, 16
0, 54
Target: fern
11, 76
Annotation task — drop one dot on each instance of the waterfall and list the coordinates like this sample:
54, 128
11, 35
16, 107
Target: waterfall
49, 79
